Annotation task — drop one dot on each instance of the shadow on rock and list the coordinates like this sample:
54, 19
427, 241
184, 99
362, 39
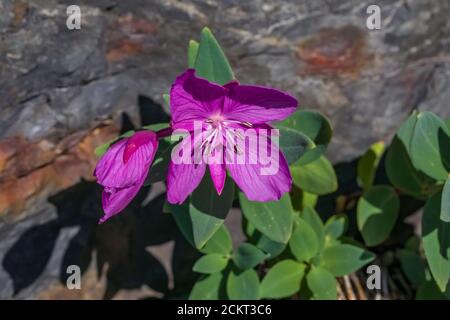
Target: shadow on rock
119, 247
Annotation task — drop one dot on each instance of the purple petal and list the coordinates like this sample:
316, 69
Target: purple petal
255, 104
115, 200
194, 98
183, 178
263, 176
127, 161
218, 175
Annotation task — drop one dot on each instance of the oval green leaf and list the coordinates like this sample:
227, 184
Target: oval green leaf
322, 284
248, 256
335, 227
436, 241
282, 280
368, 164
192, 53
377, 213
220, 242
273, 218
210, 263
315, 126
208, 287
272, 248
313, 219
211, 62
208, 210
243, 286
304, 243
342, 259
293, 143
413, 266
316, 177
445, 204
401, 172
427, 140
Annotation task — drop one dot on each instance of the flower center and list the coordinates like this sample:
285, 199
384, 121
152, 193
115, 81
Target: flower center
221, 132
216, 121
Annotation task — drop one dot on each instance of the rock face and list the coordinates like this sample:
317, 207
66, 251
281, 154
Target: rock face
65, 91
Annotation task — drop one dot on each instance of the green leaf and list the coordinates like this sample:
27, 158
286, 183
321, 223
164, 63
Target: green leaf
316, 177
160, 165
377, 213
192, 53
208, 210
210, 263
314, 221
166, 98
273, 218
220, 242
282, 280
248, 256
304, 243
436, 241
335, 227
429, 291
207, 287
445, 204
322, 284
401, 172
315, 126
342, 259
425, 148
406, 131
413, 243
293, 143
413, 266
368, 164
272, 248
243, 286
181, 215
308, 199
211, 62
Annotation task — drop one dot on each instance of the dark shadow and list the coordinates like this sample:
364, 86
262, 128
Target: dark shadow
27, 258
444, 148
119, 246
127, 124
151, 112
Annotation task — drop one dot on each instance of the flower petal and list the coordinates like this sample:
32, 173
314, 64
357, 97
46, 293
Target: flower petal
127, 161
263, 176
115, 200
256, 104
184, 176
182, 180
194, 98
218, 175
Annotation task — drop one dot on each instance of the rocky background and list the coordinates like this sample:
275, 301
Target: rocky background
63, 92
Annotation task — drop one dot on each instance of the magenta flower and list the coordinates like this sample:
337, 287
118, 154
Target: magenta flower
226, 114
122, 170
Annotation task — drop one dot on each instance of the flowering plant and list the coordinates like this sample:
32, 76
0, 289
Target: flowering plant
249, 146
